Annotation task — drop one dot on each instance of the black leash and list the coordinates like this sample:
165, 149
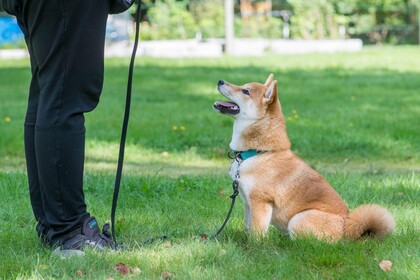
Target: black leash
235, 186
235, 183
125, 124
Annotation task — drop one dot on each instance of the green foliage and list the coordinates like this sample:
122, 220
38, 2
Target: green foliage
18, 45
169, 20
209, 15
313, 19
258, 27
375, 21
381, 21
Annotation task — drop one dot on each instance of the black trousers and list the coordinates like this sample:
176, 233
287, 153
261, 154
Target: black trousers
65, 40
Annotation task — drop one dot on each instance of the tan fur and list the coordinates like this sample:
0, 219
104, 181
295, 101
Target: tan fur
278, 187
369, 219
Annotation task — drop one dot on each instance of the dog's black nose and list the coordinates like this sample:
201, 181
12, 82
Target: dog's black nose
221, 83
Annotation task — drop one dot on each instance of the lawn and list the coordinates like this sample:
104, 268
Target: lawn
354, 117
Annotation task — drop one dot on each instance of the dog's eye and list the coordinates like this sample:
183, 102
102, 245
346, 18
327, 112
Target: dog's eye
245, 91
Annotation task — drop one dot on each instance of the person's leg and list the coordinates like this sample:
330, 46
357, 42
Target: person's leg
15, 8
35, 193
67, 40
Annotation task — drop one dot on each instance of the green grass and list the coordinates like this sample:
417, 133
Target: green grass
355, 117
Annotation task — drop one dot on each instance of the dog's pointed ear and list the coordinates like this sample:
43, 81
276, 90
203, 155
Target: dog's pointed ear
271, 93
269, 80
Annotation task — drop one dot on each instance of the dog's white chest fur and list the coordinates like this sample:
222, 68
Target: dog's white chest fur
245, 181
236, 142
236, 172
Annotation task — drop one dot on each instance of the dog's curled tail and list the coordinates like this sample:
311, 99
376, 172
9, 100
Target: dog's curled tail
369, 220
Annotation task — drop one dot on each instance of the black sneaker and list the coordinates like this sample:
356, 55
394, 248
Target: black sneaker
91, 237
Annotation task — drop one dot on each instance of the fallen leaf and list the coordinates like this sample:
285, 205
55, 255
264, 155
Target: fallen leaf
79, 273
385, 265
110, 278
203, 236
166, 275
122, 268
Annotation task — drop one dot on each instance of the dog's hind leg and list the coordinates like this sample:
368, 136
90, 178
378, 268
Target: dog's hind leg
320, 224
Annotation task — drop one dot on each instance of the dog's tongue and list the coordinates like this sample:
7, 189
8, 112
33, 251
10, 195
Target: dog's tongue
226, 107
226, 104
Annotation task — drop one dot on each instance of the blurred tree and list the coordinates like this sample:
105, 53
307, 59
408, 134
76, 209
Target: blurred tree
313, 19
209, 14
374, 21
169, 19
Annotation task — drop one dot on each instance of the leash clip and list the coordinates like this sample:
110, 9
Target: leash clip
235, 186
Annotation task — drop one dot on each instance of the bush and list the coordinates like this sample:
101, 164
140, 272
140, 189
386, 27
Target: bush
375, 21
172, 20
169, 20
209, 16
380, 21
313, 19
258, 27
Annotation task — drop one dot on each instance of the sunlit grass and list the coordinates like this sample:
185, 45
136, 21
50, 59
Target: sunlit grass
101, 156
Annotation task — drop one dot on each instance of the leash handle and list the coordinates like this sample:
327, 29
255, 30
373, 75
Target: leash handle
125, 124
235, 186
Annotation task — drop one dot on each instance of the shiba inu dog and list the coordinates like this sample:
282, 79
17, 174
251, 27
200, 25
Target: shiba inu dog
278, 187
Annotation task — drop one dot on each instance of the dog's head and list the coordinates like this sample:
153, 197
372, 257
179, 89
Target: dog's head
249, 102
259, 122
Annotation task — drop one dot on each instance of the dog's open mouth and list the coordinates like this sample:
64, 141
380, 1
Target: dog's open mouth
226, 107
